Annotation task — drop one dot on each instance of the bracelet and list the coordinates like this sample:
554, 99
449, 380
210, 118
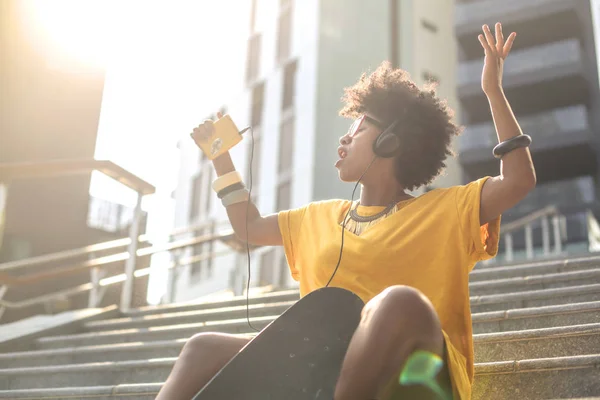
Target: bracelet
228, 179
511, 144
238, 196
230, 188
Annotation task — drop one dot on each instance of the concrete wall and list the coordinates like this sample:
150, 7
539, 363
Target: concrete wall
49, 109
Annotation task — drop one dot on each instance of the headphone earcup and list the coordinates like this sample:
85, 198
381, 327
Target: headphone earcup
386, 145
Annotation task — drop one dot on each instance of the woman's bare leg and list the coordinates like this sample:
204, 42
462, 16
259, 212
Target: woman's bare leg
393, 324
200, 359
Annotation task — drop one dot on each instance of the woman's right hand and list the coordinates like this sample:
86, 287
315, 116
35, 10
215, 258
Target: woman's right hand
204, 131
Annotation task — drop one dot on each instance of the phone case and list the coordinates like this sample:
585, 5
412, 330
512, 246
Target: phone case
224, 136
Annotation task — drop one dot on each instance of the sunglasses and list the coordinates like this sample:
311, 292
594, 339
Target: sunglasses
355, 127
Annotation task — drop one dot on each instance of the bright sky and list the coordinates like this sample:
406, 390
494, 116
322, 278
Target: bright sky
167, 65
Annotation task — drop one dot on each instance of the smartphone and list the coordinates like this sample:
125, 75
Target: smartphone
224, 136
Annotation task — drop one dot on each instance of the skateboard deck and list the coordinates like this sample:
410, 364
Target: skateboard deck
296, 357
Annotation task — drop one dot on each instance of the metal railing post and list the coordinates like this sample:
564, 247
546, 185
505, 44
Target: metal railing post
97, 292
557, 235
529, 241
3, 290
172, 274
127, 293
93, 300
546, 236
508, 240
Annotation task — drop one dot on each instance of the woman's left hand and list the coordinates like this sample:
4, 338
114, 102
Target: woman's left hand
495, 53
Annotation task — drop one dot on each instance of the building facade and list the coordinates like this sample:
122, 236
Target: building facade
300, 56
551, 80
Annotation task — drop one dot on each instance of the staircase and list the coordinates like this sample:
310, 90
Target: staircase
536, 334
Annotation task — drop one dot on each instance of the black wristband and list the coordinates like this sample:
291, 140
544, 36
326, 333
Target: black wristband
231, 188
511, 144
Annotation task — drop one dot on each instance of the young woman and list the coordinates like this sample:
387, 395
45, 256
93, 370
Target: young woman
408, 258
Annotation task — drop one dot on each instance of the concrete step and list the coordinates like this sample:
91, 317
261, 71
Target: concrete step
481, 273
143, 391
535, 298
91, 374
538, 343
185, 317
559, 315
534, 379
478, 303
100, 353
170, 332
535, 282
536, 317
273, 297
510, 285
499, 346
523, 379
477, 275
496, 321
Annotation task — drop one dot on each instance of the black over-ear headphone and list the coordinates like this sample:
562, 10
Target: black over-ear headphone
387, 143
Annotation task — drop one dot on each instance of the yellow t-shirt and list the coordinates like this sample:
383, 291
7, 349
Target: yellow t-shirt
431, 243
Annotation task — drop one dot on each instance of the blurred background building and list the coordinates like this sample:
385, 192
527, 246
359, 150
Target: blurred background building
49, 110
551, 80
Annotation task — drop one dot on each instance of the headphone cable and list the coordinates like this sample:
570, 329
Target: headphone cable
346, 219
247, 239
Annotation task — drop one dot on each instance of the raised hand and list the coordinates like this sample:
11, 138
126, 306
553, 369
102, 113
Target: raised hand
495, 53
204, 131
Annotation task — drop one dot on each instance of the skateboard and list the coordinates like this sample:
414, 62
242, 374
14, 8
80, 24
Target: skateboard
296, 357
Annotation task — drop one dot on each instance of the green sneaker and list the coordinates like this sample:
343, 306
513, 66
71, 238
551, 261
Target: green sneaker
422, 368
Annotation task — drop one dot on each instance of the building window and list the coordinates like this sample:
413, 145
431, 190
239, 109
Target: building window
284, 34
430, 26
258, 97
195, 201
253, 62
289, 85
284, 196
430, 78
286, 145
266, 275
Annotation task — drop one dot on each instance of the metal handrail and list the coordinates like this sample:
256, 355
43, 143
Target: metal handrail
67, 254
45, 169
108, 281
109, 245
526, 223
109, 259
526, 220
